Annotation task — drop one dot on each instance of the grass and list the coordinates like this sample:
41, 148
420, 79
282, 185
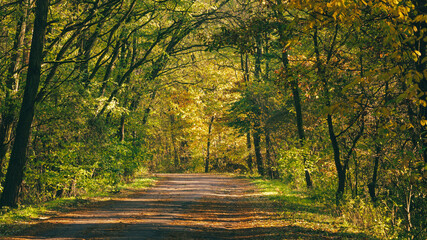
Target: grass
139, 183
16, 220
298, 209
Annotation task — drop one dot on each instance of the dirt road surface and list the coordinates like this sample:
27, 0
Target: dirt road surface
180, 206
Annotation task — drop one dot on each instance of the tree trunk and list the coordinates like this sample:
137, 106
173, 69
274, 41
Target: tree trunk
271, 166
267, 154
299, 119
208, 144
109, 68
373, 183
258, 156
12, 81
18, 157
122, 128
249, 149
86, 50
173, 140
258, 56
356, 176
244, 65
9, 113
341, 170
148, 108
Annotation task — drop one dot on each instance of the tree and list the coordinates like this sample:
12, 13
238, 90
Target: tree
18, 158
12, 82
208, 144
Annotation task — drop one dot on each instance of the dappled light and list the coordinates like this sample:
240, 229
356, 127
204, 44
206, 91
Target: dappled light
190, 206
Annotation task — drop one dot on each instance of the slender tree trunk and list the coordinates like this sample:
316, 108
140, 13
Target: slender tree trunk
373, 183
148, 108
271, 166
122, 128
267, 155
247, 67
249, 149
173, 140
267, 62
341, 170
258, 55
18, 157
356, 177
244, 59
109, 68
257, 147
208, 144
256, 133
13, 76
244, 65
135, 101
296, 98
9, 113
86, 50
299, 119
175, 153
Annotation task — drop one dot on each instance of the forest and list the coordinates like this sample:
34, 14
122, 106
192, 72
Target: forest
329, 96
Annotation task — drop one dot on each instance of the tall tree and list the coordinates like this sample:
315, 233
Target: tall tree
208, 144
18, 159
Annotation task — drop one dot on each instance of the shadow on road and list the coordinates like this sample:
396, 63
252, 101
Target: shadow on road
181, 206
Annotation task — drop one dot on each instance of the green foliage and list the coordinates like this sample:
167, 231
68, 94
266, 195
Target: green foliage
75, 168
17, 220
371, 217
297, 208
291, 164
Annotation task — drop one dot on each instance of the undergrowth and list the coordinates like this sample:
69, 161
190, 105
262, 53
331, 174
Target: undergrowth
298, 207
16, 220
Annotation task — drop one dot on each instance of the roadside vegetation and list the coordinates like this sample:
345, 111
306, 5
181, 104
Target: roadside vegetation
15, 220
302, 208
